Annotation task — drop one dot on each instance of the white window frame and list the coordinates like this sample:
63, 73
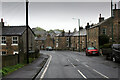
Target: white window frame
57, 44
14, 40
2, 40
15, 52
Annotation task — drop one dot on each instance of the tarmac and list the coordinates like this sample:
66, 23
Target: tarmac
30, 71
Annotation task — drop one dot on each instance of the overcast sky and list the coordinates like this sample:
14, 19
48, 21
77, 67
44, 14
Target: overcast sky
55, 15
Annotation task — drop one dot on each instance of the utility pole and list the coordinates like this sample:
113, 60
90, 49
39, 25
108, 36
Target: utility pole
79, 33
112, 19
27, 42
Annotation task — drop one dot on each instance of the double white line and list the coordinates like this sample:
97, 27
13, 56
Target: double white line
46, 68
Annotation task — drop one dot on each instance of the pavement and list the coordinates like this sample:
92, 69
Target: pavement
30, 71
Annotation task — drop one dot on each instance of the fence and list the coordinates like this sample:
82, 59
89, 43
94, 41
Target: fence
9, 60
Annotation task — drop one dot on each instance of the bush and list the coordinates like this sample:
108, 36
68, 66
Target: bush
106, 46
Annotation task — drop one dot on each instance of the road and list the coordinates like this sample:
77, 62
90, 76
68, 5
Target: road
69, 64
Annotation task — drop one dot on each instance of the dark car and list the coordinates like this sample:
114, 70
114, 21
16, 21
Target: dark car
115, 55
49, 48
92, 51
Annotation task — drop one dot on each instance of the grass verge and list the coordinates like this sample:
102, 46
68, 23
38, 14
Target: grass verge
8, 69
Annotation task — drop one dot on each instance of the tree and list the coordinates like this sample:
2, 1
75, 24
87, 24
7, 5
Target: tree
39, 29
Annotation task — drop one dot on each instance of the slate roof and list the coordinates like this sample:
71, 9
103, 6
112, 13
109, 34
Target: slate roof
82, 33
13, 30
65, 34
96, 25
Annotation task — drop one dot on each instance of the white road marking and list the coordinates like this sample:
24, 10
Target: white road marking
68, 60
45, 68
82, 74
73, 65
77, 60
86, 65
100, 74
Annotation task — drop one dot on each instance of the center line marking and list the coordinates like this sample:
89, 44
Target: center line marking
82, 74
73, 65
86, 65
77, 60
100, 74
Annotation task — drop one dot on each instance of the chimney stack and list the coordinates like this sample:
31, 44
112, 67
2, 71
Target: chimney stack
69, 31
88, 26
1, 19
1, 23
115, 6
101, 18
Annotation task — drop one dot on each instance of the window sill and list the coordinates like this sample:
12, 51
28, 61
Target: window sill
3, 44
14, 44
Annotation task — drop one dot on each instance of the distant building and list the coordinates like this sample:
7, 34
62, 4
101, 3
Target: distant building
70, 41
75, 43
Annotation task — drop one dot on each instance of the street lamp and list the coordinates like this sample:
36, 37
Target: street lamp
79, 32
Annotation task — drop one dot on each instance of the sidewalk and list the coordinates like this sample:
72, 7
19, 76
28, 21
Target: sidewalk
29, 71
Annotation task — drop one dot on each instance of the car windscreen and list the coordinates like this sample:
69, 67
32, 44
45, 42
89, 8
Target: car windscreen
90, 48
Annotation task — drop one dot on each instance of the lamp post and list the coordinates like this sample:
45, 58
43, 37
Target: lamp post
79, 32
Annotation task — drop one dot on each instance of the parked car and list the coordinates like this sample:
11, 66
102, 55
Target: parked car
49, 48
91, 51
115, 55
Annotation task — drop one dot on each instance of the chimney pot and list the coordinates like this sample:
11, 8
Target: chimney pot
100, 15
115, 6
87, 24
1, 19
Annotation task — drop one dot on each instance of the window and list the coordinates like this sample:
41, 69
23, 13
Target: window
3, 40
56, 44
4, 52
104, 31
14, 40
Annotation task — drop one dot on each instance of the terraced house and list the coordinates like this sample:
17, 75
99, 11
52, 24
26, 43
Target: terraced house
109, 27
70, 40
13, 40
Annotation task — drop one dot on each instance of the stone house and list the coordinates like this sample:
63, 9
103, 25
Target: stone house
70, 41
63, 41
13, 40
39, 42
109, 27
92, 36
44, 41
75, 40
49, 41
